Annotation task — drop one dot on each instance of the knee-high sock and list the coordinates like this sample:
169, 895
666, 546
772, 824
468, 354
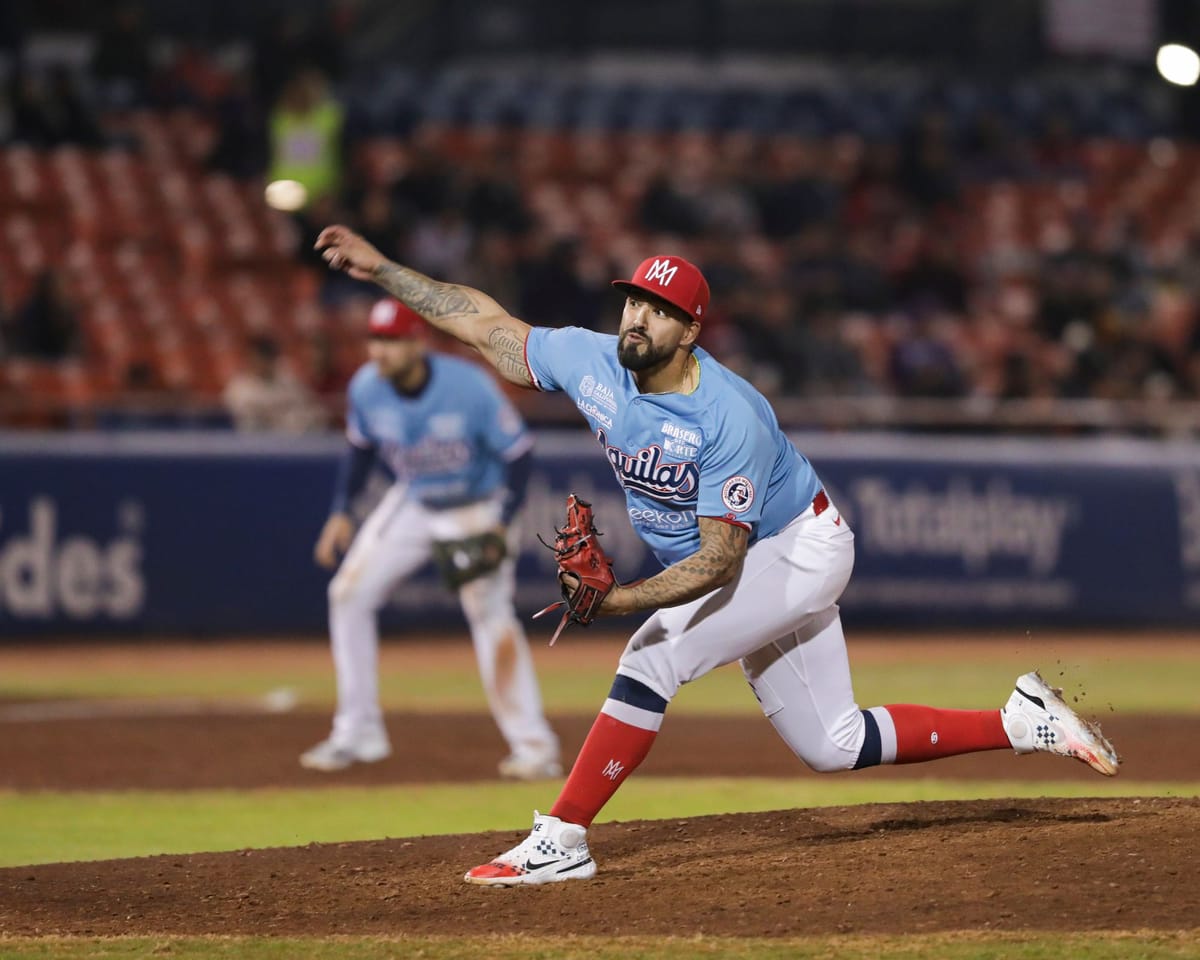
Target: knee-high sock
919, 733
618, 742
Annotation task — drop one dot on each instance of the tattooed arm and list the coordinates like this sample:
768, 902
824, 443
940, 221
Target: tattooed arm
462, 312
716, 563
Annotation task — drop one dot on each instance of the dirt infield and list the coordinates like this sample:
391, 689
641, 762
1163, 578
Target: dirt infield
198, 750
1076, 865
1002, 865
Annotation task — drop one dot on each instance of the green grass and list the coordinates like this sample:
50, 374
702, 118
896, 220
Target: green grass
945, 946
45, 827
983, 676
54, 827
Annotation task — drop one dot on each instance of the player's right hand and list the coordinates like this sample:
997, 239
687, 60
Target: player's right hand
343, 249
334, 540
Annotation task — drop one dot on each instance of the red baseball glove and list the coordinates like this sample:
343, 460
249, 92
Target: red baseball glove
579, 554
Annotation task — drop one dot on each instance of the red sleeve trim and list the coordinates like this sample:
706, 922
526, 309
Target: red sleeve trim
732, 521
525, 355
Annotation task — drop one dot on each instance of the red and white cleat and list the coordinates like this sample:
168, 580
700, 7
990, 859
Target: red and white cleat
1037, 719
553, 851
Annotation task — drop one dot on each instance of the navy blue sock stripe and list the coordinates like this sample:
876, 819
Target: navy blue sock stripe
637, 694
871, 753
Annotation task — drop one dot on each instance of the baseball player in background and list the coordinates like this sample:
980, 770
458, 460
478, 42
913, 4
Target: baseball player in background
755, 555
461, 456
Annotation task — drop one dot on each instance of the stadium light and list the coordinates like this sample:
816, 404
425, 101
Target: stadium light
1178, 64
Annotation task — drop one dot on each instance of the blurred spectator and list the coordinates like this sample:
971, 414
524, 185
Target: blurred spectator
424, 187
665, 209
492, 200
48, 110
876, 259
279, 50
296, 39
993, 151
121, 63
1058, 151
376, 218
493, 266
240, 146
923, 362
553, 291
795, 192
929, 167
935, 278
771, 328
306, 135
268, 396
46, 326
440, 245
322, 372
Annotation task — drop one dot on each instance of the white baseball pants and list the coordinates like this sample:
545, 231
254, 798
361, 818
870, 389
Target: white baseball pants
780, 619
392, 544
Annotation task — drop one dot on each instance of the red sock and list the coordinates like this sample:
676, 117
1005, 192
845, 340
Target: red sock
926, 733
611, 753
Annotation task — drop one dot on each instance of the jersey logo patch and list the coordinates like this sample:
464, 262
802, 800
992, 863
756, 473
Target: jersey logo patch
590, 387
680, 441
738, 494
590, 409
675, 484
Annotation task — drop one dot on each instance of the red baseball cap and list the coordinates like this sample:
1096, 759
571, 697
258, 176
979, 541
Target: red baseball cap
391, 318
673, 279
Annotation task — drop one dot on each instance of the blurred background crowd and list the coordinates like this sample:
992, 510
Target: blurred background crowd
924, 214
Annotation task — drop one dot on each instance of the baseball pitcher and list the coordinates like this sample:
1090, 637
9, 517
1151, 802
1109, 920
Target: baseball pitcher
755, 555
460, 455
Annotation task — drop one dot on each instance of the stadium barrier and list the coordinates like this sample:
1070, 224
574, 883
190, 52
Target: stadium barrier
210, 534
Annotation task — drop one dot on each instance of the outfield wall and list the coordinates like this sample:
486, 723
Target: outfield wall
212, 533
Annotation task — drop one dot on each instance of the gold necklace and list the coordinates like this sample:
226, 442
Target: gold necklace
688, 376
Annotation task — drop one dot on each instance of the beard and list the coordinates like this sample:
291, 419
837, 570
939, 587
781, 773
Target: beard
640, 356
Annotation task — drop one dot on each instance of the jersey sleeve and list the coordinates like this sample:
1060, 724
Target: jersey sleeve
735, 468
551, 353
357, 430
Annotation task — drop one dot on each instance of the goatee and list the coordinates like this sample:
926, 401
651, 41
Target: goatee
629, 357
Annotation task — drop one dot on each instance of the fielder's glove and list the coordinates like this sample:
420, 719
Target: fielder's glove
580, 555
461, 561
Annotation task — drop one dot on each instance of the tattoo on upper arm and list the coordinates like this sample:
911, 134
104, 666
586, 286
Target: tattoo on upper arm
508, 355
428, 297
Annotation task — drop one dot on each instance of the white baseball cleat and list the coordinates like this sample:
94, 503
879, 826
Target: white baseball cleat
330, 755
1037, 719
517, 767
553, 851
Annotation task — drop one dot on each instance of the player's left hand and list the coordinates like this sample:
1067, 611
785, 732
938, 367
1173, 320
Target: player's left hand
614, 603
334, 540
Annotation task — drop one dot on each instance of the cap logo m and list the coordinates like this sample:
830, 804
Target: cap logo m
662, 271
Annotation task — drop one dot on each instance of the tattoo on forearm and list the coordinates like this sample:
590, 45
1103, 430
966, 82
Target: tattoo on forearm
433, 300
722, 550
508, 355
464, 314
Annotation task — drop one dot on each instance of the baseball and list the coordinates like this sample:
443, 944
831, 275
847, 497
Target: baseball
286, 195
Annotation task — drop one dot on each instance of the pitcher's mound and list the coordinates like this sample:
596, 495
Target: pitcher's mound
1051, 864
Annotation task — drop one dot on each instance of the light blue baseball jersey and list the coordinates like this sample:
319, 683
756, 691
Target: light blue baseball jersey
450, 442
716, 452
